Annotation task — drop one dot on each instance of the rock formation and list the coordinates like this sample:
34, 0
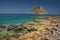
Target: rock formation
38, 10
35, 30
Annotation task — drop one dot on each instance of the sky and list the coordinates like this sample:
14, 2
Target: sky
25, 6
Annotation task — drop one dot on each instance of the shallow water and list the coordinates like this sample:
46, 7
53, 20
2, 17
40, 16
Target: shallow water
14, 18
18, 18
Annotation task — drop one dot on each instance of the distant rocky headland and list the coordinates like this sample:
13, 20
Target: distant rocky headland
39, 10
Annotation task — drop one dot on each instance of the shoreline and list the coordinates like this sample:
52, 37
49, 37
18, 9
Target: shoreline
34, 29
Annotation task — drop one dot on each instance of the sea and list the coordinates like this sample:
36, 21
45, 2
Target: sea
9, 19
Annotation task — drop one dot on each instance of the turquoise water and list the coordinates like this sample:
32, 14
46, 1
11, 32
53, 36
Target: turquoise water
14, 18
18, 18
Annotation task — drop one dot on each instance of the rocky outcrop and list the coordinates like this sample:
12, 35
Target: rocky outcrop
38, 10
37, 30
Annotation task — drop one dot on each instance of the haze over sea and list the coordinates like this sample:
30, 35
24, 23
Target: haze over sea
19, 18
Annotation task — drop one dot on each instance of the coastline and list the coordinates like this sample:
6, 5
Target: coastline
31, 28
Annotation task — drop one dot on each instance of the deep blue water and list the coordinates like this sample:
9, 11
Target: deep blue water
18, 18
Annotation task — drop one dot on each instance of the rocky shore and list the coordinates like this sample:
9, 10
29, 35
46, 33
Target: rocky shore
41, 28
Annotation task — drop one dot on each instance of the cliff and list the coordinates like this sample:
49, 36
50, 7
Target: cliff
38, 10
